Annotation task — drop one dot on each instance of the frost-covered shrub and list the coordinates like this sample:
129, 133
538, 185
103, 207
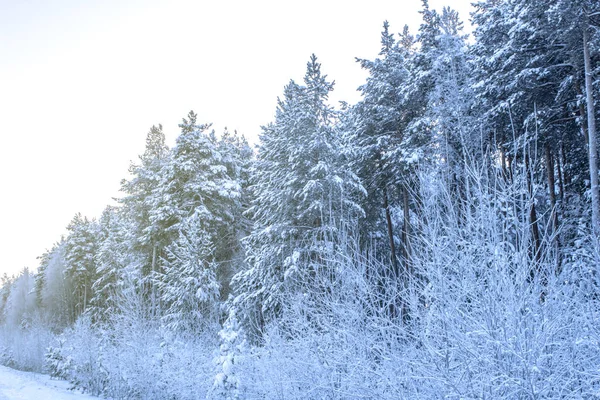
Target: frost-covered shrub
496, 322
132, 357
338, 342
56, 363
230, 361
24, 348
478, 317
152, 365
6, 357
83, 350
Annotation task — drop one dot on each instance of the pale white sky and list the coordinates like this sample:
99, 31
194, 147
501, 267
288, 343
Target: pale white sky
81, 83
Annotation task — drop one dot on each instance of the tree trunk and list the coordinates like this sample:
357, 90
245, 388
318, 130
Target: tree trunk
392, 305
510, 168
406, 232
503, 162
591, 120
582, 113
390, 229
559, 170
153, 311
533, 220
551, 186
553, 211
84, 296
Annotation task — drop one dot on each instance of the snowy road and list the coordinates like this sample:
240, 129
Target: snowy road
18, 385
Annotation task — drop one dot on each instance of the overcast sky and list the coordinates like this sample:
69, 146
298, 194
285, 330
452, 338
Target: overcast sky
81, 83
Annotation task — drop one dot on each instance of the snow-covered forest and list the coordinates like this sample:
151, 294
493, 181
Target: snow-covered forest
437, 239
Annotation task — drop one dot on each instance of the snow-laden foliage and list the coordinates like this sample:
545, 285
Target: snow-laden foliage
194, 181
301, 191
133, 357
81, 247
189, 284
232, 355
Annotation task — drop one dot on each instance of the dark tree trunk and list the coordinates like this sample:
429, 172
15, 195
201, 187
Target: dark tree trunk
406, 232
559, 170
503, 162
533, 221
591, 125
553, 211
390, 230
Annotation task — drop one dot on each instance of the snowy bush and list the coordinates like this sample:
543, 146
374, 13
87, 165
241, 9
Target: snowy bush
228, 384
480, 318
25, 348
134, 358
56, 363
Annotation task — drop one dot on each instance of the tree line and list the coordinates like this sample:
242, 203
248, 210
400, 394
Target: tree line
438, 237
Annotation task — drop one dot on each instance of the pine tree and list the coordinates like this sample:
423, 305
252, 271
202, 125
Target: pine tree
81, 248
228, 384
55, 297
144, 240
113, 258
386, 148
302, 193
451, 98
5, 288
20, 301
189, 286
196, 182
237, 156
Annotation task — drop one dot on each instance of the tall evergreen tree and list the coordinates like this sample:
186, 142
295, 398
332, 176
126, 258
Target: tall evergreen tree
386, 148
113, 258
81, 248
237, 156
189, 286
55, 296
145, 241
194, 181
303, 193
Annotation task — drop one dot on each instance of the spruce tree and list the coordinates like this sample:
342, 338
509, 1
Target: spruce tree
189, 286
145, 242
302, 194
113, 259
81, 248
385, 148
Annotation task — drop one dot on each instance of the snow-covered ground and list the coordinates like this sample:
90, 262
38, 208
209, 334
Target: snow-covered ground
19, 385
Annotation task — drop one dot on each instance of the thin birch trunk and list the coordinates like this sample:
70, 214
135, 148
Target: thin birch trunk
591, 122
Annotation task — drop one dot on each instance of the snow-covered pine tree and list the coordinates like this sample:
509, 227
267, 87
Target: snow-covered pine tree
54, 295
237, 156
81, 248
5, 289
442, 82
383, 148
451, 97
195, 182
303, 192
40, 277
228, 384
21, 300
145, 242
189, 286
112, 259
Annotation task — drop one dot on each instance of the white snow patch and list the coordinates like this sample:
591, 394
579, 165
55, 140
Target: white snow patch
19, 385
